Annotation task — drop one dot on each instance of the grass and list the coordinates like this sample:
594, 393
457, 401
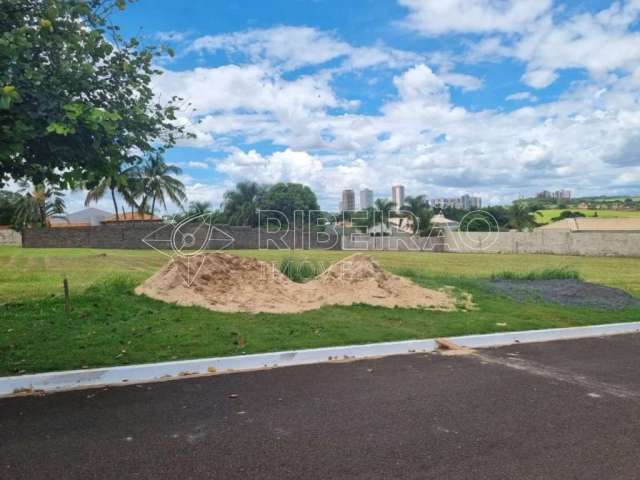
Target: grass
547, 215
559, 273
110, 325
300, 270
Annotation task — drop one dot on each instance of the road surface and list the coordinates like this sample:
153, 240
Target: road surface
559, 410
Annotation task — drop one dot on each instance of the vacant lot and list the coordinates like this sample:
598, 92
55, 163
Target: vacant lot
110, 325
547, 215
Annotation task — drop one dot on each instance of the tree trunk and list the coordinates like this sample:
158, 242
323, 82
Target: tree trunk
43, 216
115, 204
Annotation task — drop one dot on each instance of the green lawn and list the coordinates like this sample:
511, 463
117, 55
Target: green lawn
547, 215
109, 325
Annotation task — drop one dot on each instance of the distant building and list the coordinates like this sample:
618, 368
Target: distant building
87, 217
397, 196
439, 221
446, 203
470, 203
132, 217
544, 195
465, 202
366, 198
348, 200
562, 195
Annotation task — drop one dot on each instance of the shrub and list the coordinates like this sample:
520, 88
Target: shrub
300, 270
560, 273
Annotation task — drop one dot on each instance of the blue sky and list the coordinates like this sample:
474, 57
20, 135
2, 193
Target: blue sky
495, 98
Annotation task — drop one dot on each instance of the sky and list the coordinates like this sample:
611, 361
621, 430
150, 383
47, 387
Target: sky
494, 98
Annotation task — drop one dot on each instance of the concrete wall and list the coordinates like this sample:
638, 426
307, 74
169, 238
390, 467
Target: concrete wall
130, 235
9, 237
395, 242
622, 244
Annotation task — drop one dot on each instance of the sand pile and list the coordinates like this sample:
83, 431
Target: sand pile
230, 283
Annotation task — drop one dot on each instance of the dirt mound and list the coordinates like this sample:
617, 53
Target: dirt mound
229, 283
360, 279
566, 292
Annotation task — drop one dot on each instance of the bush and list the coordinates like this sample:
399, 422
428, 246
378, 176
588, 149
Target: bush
561, 273
300, 270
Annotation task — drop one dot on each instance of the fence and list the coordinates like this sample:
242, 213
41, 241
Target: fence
131, 234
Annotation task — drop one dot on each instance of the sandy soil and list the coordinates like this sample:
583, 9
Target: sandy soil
229, 283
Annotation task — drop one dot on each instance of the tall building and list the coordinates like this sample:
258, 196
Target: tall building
562, 195
366, 198
465, 202
397, 196
348, 200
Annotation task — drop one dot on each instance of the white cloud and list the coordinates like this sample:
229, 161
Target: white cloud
539, 78
437, 17
519, 96
418, 136
600, 43
289, 48
463, 81
198, 165
251, 87
287, 165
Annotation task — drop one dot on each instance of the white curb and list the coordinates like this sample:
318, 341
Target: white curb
130, 374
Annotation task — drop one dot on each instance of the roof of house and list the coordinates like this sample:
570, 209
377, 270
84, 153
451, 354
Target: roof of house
85, 217
594, 224
131, 217
439, 219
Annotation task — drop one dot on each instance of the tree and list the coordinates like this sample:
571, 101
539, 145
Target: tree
240, 206
157, 182
419, 207
195, 209
567, 214
114, 179
74, 94
383, 209
289, 198
8, 205
199, 208
37, 204
521, 217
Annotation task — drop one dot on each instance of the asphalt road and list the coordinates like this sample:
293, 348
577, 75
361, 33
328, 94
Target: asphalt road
561, 410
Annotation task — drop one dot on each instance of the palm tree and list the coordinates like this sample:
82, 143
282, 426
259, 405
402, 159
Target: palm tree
195, 209
240, 205
112, 178
419, 207
384, 207
36, 205
199, 208
521, 216
158, 183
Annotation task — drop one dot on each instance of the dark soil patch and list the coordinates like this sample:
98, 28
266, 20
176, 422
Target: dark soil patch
566, 292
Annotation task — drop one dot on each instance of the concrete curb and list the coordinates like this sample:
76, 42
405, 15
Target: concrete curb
153, 372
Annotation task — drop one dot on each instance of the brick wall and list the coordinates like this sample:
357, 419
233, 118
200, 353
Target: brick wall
130, 235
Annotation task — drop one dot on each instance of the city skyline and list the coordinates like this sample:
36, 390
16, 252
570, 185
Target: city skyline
398, 196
